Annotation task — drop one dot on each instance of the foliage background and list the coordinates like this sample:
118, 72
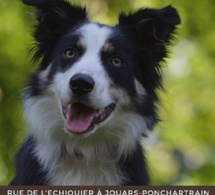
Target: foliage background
182, 148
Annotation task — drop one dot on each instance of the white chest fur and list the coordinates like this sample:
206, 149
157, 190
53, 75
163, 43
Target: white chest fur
80, 172
68, 166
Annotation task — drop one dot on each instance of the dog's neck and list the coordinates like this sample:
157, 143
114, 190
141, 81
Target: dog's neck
69, 164
105, 151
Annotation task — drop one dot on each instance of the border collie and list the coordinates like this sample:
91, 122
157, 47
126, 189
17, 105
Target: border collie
93, 97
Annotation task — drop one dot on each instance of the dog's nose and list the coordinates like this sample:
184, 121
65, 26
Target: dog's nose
81, 84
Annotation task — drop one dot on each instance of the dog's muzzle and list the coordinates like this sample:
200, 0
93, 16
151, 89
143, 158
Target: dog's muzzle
81, 116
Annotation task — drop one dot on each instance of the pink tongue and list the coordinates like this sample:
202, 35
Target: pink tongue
79, 117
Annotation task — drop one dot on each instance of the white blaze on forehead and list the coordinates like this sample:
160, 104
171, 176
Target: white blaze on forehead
93, 39
94, 36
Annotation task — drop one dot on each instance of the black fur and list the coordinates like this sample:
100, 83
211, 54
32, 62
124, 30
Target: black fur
28, 169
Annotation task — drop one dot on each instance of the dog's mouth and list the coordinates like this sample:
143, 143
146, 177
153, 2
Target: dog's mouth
81, 118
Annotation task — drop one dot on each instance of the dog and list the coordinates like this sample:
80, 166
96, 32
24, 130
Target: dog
94, 95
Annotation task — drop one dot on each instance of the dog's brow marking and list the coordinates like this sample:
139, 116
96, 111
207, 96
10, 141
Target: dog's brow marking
81, 43
108, 47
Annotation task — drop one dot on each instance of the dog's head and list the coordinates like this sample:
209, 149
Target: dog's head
94, 77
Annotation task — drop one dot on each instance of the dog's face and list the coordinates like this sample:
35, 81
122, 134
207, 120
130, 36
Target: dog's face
93, 76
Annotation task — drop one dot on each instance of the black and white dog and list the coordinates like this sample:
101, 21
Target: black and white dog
93, 96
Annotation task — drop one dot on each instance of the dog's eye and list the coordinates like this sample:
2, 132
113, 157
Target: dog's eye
70, 53
117, 61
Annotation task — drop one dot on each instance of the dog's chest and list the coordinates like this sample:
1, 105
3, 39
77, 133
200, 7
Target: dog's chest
81, 172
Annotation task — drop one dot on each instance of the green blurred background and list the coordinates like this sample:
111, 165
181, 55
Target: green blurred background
182, 148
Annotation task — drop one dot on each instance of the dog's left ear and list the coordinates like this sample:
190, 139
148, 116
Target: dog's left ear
154, 27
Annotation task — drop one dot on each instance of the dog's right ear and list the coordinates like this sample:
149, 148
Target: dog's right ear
55, 15
55, 18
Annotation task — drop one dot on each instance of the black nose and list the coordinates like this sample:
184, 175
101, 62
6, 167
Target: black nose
81, 84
